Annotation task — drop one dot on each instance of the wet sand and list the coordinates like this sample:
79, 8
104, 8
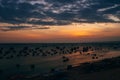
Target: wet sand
107, 69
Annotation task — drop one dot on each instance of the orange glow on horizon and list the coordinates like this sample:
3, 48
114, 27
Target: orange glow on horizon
66, 33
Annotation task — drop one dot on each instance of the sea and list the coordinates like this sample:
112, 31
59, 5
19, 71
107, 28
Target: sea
28, 59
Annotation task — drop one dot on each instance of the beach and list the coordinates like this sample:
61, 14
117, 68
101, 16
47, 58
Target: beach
26, 61
107, 69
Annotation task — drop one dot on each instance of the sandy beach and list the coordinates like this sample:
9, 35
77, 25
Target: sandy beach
107, 69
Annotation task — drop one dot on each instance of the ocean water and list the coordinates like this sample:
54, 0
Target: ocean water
30, 59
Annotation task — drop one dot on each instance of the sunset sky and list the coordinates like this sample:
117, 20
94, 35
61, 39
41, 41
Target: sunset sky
41, 21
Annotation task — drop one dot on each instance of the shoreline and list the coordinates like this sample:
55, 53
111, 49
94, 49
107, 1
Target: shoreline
109, 65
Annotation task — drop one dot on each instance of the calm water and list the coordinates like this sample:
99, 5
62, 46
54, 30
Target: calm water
29, 59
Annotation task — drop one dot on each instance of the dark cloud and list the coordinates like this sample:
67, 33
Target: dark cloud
61, 12
13, 28
19, 27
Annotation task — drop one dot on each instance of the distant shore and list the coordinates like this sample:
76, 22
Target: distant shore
107, 42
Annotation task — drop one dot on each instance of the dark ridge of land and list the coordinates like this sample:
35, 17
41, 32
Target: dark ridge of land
97, 42
107, 69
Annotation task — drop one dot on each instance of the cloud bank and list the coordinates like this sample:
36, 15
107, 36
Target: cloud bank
59, 12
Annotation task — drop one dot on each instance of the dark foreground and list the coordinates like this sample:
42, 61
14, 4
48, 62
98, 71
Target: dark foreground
107, 69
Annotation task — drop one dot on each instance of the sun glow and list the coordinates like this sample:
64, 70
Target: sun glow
70, 33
